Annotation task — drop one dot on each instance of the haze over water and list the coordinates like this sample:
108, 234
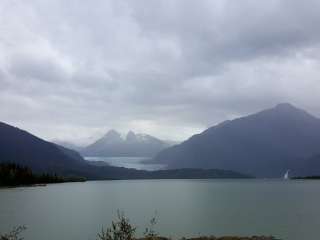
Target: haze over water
139, 163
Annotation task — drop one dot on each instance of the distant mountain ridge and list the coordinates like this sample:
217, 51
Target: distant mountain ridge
68, 145
264, 144
112, 144
22, 148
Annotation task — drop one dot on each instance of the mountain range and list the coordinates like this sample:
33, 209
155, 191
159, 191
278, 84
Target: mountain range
265, 144
112, 144
20, 147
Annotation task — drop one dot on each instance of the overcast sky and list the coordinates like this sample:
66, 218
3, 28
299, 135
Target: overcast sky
71, 70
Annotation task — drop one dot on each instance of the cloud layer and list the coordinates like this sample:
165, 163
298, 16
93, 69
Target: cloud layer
71, 70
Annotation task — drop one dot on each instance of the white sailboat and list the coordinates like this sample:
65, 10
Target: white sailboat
286, 175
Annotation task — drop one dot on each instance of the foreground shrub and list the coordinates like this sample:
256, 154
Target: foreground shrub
119, 230
14, 234
150, 233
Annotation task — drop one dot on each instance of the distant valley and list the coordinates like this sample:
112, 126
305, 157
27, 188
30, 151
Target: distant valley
22, 148
265, 144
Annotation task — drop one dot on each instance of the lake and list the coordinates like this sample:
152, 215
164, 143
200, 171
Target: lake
140, 163
287, 209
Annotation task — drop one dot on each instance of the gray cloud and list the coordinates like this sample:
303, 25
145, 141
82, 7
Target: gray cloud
71, 70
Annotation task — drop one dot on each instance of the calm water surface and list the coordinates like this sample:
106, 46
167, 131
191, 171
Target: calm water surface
287, 209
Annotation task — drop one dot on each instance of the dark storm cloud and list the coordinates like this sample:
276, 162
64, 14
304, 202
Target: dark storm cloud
73, 69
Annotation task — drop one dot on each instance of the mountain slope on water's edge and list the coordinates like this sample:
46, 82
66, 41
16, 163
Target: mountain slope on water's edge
23, 148
264, 144
20, 147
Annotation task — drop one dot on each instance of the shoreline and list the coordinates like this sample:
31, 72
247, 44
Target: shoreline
213, 238
36, 184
